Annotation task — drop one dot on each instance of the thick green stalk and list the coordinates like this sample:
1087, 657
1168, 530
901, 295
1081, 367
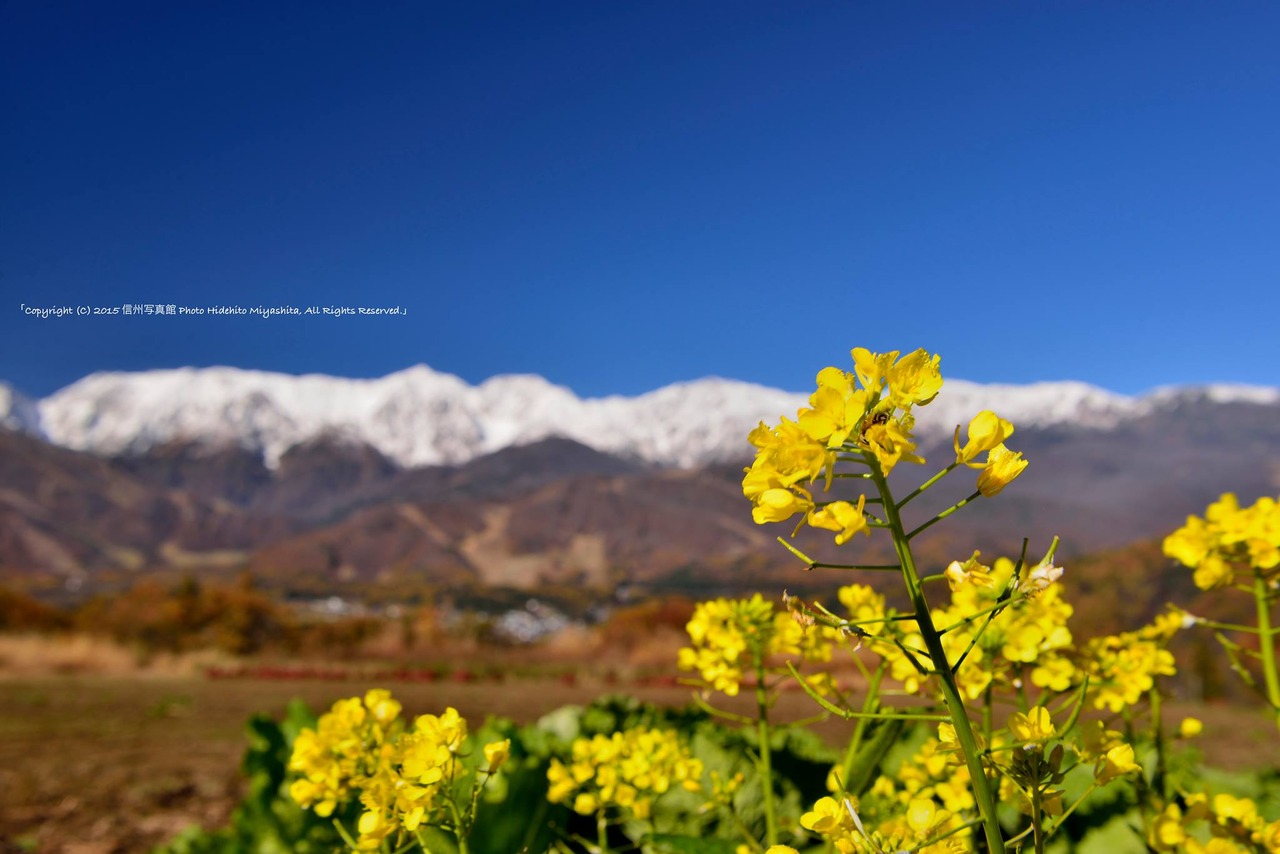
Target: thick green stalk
459, 831
982, 793
1267, 643
766, 760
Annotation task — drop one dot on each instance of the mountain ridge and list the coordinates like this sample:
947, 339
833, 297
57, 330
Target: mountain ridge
336, 514
420, 417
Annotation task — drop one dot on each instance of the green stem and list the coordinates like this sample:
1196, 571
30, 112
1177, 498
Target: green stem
602, 832
999, 606
1159, 780
459, 830
928, 483
346, 837
1077, 707
896, 618
1231, 627
1037, 818
534, 825
973, 641
936, 519
982, 792
1063, 818
766, 760
752, 842
854, 457
879, 567
1266, 638
948, 834
406, 847
849, 714
702, 703
810, 563
988, 713
1140, 783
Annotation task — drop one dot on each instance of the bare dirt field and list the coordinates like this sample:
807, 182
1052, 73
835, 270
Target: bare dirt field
92, 764
121, 763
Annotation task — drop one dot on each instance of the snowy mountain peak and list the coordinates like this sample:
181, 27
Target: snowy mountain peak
419, 416
1033, 405
1221, 393
19, 412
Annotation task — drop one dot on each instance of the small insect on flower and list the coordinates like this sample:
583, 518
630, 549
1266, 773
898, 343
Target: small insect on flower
874, 420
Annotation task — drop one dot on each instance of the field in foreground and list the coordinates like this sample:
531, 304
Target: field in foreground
104, 764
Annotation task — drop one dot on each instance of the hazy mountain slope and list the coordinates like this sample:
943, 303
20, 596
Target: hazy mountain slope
70, 513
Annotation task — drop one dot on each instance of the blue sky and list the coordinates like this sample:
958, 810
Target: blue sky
619, 195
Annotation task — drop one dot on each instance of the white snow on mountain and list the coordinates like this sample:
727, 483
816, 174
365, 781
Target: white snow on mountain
1033, 405
1220, 393
19, 412
423, 417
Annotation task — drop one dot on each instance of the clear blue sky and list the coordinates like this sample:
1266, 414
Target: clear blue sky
619, 195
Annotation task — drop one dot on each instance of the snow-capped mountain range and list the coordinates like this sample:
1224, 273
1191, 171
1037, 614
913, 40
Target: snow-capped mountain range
420, 417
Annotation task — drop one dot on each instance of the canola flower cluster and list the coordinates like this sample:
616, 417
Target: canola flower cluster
1223, 824
995, 651
402, 775
862, 415
922, 827
1124, 667
921, 806
1006, 649
1227, 537
727, 634
627, 770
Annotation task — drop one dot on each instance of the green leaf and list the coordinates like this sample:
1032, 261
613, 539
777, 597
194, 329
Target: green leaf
868, 762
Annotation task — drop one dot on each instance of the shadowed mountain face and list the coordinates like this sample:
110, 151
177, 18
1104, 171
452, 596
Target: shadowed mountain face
558, 512
71, 514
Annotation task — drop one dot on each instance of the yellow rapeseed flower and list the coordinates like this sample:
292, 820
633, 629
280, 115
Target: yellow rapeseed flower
1001, 468
1227, 537
872, 368
777, 505
971, 572
986, 431
1116, 762
496, 753
837, 407
828, 816
843, 517
915, 379
1034, 726
924, 817
627, 769
890, 440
